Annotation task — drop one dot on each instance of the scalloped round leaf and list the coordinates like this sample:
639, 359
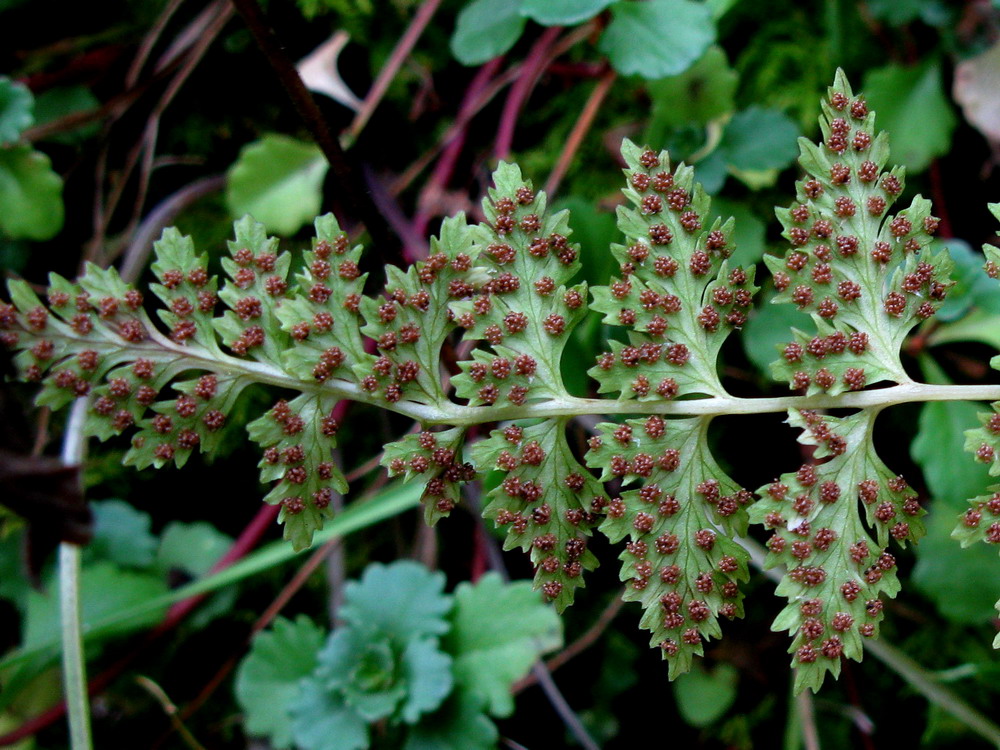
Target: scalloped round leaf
105, 590
31, 202
940, 437
279, 181
16, 105
321, 720
700, 94
402, 600
703, 696
268, 677
122, 534
459, 724
427, 674
499, 630
486, 29
960, 582
759, 139
657, 38
562, 12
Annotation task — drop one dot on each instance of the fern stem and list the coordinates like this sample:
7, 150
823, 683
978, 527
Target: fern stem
74, 665
457, 415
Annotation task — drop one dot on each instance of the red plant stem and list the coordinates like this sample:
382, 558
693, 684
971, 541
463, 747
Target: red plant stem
480, 559
418, 165
534, 64
940, 206
445, 166
579, 132
399, 54
578, 69
247, 540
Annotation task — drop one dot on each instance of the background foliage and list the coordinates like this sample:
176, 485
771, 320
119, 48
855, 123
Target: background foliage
119, 119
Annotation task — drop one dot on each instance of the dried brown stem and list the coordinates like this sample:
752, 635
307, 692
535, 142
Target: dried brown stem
399, 54
580, 129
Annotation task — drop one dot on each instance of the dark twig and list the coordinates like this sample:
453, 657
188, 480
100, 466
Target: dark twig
399, 54
149, 42
352, 190
202, 31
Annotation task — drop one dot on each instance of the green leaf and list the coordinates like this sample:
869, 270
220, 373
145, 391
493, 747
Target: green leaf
381, 677
122, 535
309, 359
437, 458
978, 325
940, 437
427, 674
681, 562
914, 109
658, 38
403, 600
412, 334
486, 29
105, 589
547, 501
459, 724
973, 287
700, 94
748, 233
267, 680
360, 664
390, 502
562, 12
759, 139
31, 204
191, 547
279, 181
16, 103
321, 720
902, 12
961, 582
678, 312
498, 632
832, 522
595, 231
306, 504
527, 326
61, 101
863, 274
703, 697
14, 585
